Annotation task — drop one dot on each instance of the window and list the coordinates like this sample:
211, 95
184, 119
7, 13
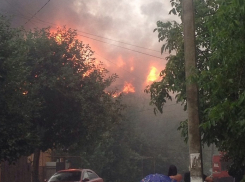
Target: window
66, 176
92, 175
85, 175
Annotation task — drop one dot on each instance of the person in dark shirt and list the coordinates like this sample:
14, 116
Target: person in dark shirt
187, 177
173, 174
237, 174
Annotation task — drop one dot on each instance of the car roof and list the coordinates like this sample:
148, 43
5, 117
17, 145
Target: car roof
68, 170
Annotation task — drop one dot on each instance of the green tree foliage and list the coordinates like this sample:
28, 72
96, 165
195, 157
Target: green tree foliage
13, 137
52, 92
219, 28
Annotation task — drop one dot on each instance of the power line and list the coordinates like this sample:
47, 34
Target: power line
118, 41
108, 42
10, 5
103, 37
22, 16
37, 11
122, 47
96, 40
49, 23
111, 40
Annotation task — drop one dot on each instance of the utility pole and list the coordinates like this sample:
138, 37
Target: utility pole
192, 93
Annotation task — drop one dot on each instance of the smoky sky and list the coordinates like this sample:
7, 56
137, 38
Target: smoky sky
109, 25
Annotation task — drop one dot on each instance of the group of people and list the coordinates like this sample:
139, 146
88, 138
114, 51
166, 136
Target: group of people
173, 174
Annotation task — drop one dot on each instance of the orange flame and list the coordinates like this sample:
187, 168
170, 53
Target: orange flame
58, 38
152, 75
115, 95
128, 87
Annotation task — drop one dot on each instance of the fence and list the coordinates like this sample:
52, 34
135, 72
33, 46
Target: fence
18, 172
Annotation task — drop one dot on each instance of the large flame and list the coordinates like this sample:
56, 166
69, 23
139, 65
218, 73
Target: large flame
153, 75
128, 87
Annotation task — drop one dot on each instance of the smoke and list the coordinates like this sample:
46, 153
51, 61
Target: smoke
104, 25
121, 34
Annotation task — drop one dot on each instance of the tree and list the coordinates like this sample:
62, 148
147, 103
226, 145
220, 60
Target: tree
219, 73
13, 138
54, 86
226, 80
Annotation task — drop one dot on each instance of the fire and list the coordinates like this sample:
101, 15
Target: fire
87, 73
128, 87
25, 93
115, 95
58, 38
153, 75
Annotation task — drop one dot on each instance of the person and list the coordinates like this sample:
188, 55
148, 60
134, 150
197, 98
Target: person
237, 174
173, 173
157, 178
187, 177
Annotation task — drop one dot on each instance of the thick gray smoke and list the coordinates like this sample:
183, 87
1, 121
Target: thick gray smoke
108, 24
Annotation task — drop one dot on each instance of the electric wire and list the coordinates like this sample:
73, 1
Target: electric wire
10, 5
122, 47
95, 53
118, 41
93, 38
49, 23
37, 12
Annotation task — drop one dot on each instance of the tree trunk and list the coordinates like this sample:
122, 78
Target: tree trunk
35, 172
192, 93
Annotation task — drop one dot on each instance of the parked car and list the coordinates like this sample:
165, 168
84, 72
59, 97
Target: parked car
75, 175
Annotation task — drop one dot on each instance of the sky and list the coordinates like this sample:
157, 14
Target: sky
120, 32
